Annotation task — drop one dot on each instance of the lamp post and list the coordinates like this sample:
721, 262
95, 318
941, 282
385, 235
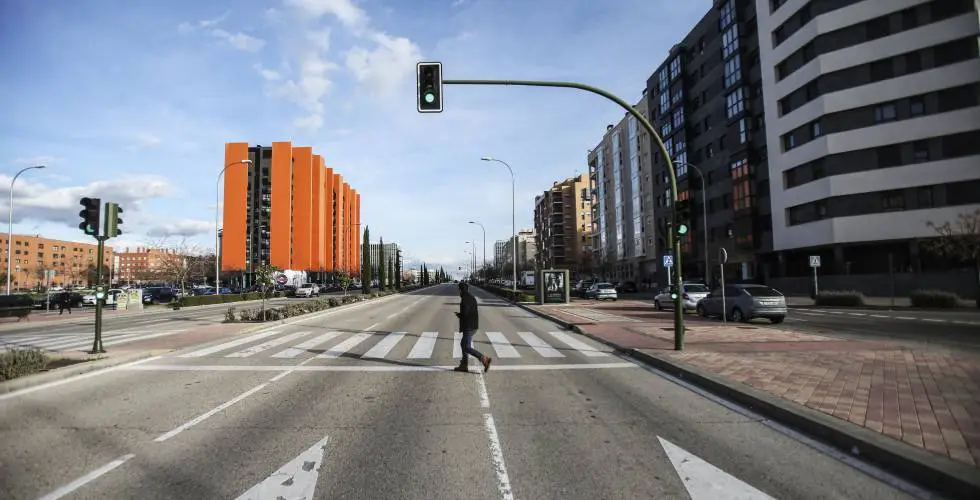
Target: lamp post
704, 217
513, 213
217, 214
10, 220
472, 255
483, 269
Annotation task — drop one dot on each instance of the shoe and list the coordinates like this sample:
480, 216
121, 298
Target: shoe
486, 363
462, 368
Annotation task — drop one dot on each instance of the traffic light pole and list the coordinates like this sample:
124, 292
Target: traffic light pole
672, 241
97, 347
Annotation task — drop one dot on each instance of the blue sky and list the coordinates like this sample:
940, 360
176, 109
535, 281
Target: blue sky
133, 100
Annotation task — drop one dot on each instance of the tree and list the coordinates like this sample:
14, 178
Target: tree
423, 276
177, 262
398, 269
960, 240
265, 276
382, 277
366, 263
391, 273
345, 281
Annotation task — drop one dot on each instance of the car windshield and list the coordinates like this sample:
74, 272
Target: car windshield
306, 285
606, 286
762, 291
696, 289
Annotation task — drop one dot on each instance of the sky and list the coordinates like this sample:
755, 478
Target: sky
133, 100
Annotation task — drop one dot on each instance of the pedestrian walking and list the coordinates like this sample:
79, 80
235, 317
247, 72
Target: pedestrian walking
65, 302
469, 322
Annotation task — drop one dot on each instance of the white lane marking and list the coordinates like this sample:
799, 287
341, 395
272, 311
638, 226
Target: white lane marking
970, 323
87, 478
114, 341
383, 348
578, 345
344, 346
234, 343
296, 479
835, 312
877, 316
367, 368
810, 313
255, 349
424, 346
56, 383
540, 346
204, 416
502, 346
704, 481
857, 314
934, 320
298, 349
497, 457
904, 317
457, 349
481, 388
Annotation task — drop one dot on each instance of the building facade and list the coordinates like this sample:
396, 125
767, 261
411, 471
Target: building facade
374, 250
144, 265
526, 252
499, 254
66, 263
873, 125
289, 210
621, 244
562, 219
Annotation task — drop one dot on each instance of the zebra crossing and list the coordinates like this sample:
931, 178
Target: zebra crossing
80, 341
276, 344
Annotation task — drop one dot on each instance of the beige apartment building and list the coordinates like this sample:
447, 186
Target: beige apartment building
563, 223
35, 257
143, 264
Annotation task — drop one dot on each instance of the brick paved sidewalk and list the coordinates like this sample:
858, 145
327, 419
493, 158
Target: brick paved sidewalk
926, 397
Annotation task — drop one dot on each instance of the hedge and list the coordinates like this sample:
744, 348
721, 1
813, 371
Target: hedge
254, 315
934, 298
19, 305
207, 300
511, 295
19, 362
840, 298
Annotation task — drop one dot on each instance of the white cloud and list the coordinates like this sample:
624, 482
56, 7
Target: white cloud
188, 27
184, 228
307, 89
268, 74
350, 15
239, 40
385, 68
144, 140
36, 160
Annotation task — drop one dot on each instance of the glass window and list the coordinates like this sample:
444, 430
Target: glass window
675, 67
664, 101
917, 106
735, 102
733, 71
676, 95
789, 141
727, 14
665, 129
678, 117
743, 131
729, 42
885, 112
815, 129
664, 81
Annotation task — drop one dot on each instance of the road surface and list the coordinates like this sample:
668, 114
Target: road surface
957, 329
360, 402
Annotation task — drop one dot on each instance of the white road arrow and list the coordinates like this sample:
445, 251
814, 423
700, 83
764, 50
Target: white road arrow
293, 481
705, 481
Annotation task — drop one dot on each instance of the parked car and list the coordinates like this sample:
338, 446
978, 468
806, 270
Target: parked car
602, 291
582, 287
158, 295
744, 302
307, 290
691, 295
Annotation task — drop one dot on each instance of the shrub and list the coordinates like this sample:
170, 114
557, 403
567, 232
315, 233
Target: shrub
934, 298
19, 362
333, 302
840, 298
230, 315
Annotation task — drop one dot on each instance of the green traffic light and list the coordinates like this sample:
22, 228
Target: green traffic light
429, 97
682, 229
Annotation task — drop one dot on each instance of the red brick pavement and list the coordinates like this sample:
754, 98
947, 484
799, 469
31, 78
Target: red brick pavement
928, 398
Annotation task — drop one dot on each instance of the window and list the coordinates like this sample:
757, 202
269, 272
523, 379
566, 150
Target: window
878, 28
664, 81
727, 14
909, 20
664, 101
733, 71
709, 151
815, 129
920, 151
889, 156
809, 52
665, 129
892, 200
882, 70
913, 62
675, 67
729, 42
736, 165
925, 197
735, 102
789, 141
676, 95
917, 106
679, 117
743, 131
885, 112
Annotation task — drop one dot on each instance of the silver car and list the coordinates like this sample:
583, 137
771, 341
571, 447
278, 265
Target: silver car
693, 293
602, 291
744, 302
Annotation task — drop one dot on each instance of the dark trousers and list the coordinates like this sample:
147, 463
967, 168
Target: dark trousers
65, 305
466, 345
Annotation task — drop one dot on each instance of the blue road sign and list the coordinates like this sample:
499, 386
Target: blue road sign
668, 261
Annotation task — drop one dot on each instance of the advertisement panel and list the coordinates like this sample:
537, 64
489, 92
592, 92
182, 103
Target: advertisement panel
554, 286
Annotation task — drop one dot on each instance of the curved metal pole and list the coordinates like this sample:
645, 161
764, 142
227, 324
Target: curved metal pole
704, 216
217, 211
513, 208
10, 221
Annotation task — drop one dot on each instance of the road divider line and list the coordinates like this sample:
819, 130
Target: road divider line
87, 478
481, 387
372, 368
497, 458
28, 390
204, 416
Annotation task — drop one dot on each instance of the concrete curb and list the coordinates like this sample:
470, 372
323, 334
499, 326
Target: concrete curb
69, 371
940, 474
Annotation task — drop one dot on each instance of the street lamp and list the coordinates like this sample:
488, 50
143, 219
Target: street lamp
217, 212
704, 216
483, 270
10, 220
472, 255
513, 213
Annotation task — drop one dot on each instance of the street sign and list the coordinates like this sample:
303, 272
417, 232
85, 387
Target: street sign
281, 279
814, 261
668, 261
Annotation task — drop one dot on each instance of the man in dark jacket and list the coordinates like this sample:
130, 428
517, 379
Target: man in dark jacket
469, 322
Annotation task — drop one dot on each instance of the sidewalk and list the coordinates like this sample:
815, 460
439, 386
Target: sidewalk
926, 398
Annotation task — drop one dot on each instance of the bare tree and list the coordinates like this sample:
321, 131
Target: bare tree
177, 261
959, 240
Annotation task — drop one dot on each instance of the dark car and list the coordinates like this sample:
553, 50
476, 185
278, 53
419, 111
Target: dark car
158, 295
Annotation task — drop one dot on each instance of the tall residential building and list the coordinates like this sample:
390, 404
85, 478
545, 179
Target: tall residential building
288, 209
144, 265
35, 257
873, 127
375, 251
499, 254
562, 218
706, 101
526, 252
621, 245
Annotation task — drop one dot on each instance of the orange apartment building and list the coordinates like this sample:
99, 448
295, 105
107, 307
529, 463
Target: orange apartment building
34, 255
288, 209
141, 265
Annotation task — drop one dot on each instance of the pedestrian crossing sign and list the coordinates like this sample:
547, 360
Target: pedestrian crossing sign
668, 261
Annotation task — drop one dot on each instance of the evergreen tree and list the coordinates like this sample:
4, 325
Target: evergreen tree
425, 275
366, 263
391, 273
398, 269
382, 276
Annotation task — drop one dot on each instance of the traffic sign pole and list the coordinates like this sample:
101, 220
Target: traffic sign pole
815, 264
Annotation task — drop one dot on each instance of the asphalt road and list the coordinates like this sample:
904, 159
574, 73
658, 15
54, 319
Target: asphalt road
295, 408
76, 333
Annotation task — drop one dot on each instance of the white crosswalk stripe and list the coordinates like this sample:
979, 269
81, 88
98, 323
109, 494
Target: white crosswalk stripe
540, 346
345, 346
381, 349
313, 343
248, 351
577, 344
457, 349
502, 346
228, 345
424, 346
83, 340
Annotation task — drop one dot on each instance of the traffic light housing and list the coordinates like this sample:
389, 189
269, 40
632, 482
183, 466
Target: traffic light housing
112, 220
674, 291
682, 216
90, 216
429, 83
